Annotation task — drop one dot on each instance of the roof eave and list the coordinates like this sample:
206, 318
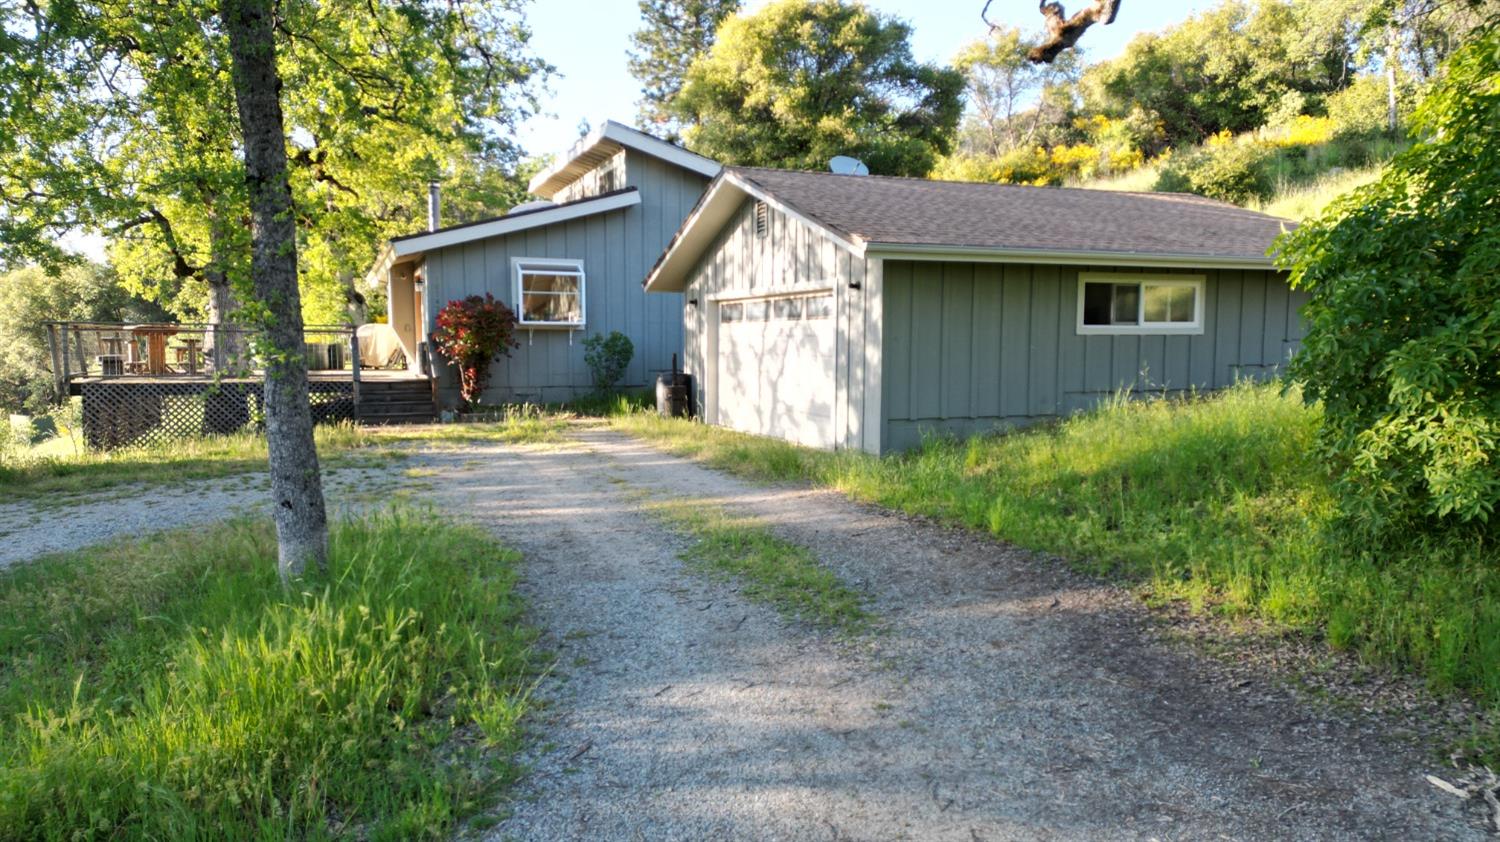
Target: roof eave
926, 251
417, 244
555, 177
383, 262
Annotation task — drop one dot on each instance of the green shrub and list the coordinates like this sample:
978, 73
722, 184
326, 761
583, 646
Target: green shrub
1229, 171
607, 358
1363, 108
1404, 319
168, 688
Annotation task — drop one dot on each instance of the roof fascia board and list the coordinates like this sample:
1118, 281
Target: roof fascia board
669, 152
630, 139
498, 227
377, 276
918, 251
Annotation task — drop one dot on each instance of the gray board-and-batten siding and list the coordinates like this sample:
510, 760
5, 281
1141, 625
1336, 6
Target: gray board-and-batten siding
970, 347
617, 248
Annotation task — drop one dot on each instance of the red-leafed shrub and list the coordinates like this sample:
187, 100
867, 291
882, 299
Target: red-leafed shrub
471, 333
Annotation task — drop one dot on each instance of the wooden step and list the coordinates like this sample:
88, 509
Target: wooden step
394, 407
396, 402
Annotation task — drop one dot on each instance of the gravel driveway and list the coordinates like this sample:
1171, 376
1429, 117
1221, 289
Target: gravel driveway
1004, 699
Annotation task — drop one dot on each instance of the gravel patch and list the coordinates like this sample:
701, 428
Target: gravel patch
1004, 698
32, 528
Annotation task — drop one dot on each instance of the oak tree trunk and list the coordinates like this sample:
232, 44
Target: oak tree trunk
296, 486
223, 345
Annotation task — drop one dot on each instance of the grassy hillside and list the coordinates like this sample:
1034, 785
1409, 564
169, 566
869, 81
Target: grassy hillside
1293, 172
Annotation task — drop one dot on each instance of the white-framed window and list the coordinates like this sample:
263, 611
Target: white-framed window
1150, 304
549, 293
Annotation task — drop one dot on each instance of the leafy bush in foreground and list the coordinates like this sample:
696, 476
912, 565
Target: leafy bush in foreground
169, 688
1403, 344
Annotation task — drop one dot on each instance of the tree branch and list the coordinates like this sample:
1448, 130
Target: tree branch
1062, 31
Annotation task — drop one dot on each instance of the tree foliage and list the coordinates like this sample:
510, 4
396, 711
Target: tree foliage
32, 295
1403, 344
471, 333
1012, 100
801, 81
1233, 67
675, 34
113, 119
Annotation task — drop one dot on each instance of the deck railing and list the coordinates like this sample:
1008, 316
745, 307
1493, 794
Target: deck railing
151, 383
179, 350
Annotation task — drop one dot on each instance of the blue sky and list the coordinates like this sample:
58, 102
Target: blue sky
588, 48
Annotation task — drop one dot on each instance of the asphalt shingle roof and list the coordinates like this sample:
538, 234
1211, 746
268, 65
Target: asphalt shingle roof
913, 211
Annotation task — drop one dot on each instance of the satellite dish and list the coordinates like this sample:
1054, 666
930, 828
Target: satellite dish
845, 165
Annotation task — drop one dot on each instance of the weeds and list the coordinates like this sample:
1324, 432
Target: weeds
168, 688
777, 572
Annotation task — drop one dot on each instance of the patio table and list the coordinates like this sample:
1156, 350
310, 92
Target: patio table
156, 344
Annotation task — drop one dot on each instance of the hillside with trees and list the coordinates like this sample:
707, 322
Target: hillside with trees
1274, 104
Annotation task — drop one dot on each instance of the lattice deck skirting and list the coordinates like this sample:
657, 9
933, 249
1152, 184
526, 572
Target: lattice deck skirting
121, 414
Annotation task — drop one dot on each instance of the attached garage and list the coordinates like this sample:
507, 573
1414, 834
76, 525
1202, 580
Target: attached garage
841, 311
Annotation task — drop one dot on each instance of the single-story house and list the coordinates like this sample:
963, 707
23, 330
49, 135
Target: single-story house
569, 265
849, 311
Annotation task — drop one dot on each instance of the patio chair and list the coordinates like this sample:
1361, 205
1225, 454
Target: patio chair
133, 362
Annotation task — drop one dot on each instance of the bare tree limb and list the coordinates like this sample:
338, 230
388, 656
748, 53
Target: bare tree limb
1062, 31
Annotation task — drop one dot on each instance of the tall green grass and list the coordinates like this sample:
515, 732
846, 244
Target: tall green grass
167, 688
1221, 502
1308, 199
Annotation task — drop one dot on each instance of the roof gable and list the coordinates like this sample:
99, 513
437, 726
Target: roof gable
603, 143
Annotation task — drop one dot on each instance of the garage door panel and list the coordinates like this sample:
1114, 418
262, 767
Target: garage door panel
776, 373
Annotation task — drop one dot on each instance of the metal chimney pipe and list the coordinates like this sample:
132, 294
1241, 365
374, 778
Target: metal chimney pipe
434, 206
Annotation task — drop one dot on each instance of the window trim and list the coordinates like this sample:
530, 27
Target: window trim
562, 266
1198, 283
768, 299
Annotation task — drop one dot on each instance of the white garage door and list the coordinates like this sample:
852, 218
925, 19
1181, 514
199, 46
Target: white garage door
776, 367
